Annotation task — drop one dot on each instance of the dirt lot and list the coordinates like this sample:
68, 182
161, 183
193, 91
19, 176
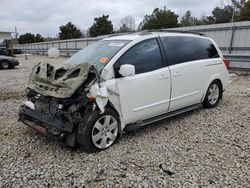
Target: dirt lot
207, 147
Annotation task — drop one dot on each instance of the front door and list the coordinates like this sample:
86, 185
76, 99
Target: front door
146, 94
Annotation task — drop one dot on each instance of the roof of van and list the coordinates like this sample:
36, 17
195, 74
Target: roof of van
136, 35
124, 37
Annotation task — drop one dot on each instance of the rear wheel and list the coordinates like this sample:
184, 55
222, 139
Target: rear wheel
4, 65
98, 131
213, 95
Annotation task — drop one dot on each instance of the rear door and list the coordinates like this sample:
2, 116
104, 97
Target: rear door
146, 94
188, 57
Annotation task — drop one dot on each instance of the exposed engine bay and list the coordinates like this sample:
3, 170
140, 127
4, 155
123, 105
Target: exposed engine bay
58, 81
58, 96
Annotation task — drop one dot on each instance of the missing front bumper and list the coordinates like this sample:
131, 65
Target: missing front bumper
57, 126
59, 121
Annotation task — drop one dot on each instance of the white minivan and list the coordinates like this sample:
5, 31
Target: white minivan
122, 83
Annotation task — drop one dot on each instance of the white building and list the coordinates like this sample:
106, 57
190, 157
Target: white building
4, 36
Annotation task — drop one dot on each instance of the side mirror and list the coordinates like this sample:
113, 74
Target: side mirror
127, 70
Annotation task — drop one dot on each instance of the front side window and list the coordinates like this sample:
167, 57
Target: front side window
145, 56
98, 54
184, 49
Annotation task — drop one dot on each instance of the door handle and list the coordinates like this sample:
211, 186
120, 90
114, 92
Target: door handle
176, 74
163, 76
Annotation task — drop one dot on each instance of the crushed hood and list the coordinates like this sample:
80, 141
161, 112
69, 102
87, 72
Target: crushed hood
58, 80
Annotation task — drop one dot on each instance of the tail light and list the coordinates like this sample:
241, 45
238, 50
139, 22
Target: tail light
226, 63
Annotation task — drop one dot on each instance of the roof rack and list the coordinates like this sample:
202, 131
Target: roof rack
148, 32
170, 31
116, 34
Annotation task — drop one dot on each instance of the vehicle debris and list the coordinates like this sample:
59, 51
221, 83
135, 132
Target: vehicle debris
163, 169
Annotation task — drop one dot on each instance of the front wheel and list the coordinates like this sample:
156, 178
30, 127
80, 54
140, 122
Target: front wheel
98, 131
213, 95
4, 65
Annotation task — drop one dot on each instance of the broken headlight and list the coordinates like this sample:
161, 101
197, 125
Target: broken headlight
60, 106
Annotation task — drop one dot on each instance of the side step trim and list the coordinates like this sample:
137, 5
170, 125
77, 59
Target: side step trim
135, 126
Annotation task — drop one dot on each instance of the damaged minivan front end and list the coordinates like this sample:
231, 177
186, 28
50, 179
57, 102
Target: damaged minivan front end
72, 102
57, 99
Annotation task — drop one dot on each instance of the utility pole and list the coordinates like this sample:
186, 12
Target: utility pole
15, 32
233, 13
229, 2
234, 7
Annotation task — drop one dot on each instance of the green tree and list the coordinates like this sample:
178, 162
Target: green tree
223, 15
188, 20
69, 31
160, 18
101, 26
238, 4
30, 38
244, 14
39, 38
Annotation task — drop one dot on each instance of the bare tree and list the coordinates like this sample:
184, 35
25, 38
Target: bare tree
127, 24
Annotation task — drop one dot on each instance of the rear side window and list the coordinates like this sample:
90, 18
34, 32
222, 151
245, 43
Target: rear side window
184, 49
145, 56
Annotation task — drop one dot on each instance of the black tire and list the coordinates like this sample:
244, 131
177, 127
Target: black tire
4, 64
211, 103
86, 125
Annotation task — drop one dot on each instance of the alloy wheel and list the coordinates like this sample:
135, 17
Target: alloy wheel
213, 94
104, 132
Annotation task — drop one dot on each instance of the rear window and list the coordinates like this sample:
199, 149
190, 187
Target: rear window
184, 49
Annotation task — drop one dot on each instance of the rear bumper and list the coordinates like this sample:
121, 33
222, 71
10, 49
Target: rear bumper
58, 126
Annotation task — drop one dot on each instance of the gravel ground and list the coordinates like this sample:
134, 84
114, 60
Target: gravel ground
203, 148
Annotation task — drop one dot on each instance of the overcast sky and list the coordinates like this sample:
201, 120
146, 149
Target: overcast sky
45, 16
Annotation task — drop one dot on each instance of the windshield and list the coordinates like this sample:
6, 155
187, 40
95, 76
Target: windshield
98, 54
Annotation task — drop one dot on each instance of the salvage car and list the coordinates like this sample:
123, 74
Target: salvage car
3, 51
17, 51
122, 83
7, 62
